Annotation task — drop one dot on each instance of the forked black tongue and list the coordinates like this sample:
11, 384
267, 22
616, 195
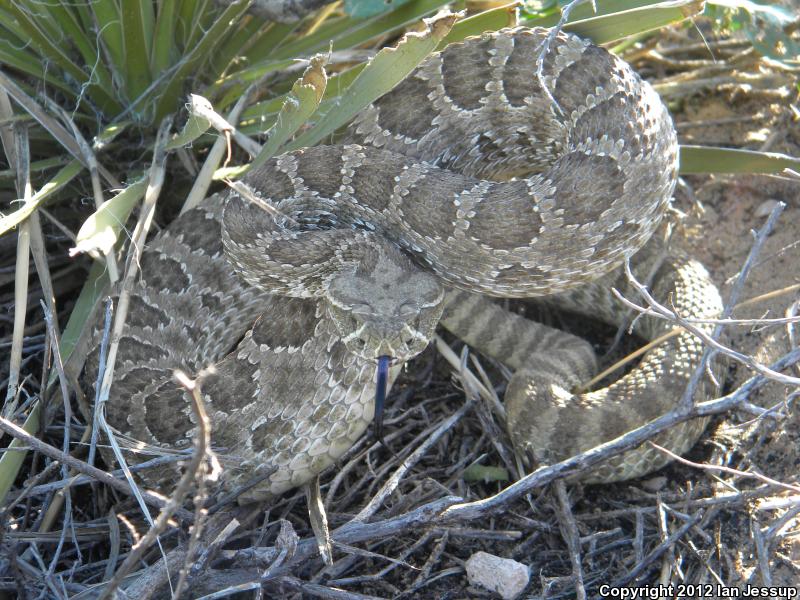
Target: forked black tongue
380, 394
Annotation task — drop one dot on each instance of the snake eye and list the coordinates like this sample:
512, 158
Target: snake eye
408, 309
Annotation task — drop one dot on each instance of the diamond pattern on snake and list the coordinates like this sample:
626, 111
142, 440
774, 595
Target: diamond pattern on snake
463, 183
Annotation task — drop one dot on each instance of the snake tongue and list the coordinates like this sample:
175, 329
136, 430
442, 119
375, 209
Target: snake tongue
380, 394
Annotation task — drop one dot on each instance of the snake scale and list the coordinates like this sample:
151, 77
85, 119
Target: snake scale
472, 178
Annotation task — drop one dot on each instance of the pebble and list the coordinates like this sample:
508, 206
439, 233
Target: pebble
500, 575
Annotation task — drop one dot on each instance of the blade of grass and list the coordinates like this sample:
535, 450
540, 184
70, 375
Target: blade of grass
705, 159
384, 71
612, 27
39, 166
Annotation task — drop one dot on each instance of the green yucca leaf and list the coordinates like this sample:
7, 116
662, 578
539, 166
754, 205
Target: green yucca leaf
237, 82
585, 10
168, 96
164, 49
195, 126
708, 159
59, 180
137, 32
52, 48
260, 117
386, 69
296, 110
99, 232
69, 22
612, 27
489, 20
30, 65
38, 166
109, 28
348, 32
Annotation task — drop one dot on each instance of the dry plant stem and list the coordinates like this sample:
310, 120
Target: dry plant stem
733, 298
350, 533
467, 377
585, 460
729, 470
545, 47
76, 480
154, 577
63, 496
55, 506
391, 484
319, 520
451, 508
202, 444
202, 476
655, 309
628, 358
769, 295
201, 107
97, 189
12, 146
658, 551
51, 125
44, 448
571, 535
156, 179
203, 180
96, 424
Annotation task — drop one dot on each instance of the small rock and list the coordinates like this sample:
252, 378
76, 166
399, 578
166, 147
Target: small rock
654, 484
501, 575
766, 207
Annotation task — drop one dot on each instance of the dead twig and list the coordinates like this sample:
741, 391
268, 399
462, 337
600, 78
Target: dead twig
194, 472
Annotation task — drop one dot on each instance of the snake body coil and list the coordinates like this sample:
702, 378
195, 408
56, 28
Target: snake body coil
466, 176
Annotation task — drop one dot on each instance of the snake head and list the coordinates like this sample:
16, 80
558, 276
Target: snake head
385, 305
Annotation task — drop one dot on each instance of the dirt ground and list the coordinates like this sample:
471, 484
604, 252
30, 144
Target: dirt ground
722, 214
724, 211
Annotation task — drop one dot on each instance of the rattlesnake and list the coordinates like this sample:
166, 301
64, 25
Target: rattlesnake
466, 178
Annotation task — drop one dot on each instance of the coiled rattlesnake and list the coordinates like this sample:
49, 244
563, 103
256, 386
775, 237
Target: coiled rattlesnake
465, 176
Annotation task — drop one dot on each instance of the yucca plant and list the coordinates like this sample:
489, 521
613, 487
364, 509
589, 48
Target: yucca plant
93, 88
